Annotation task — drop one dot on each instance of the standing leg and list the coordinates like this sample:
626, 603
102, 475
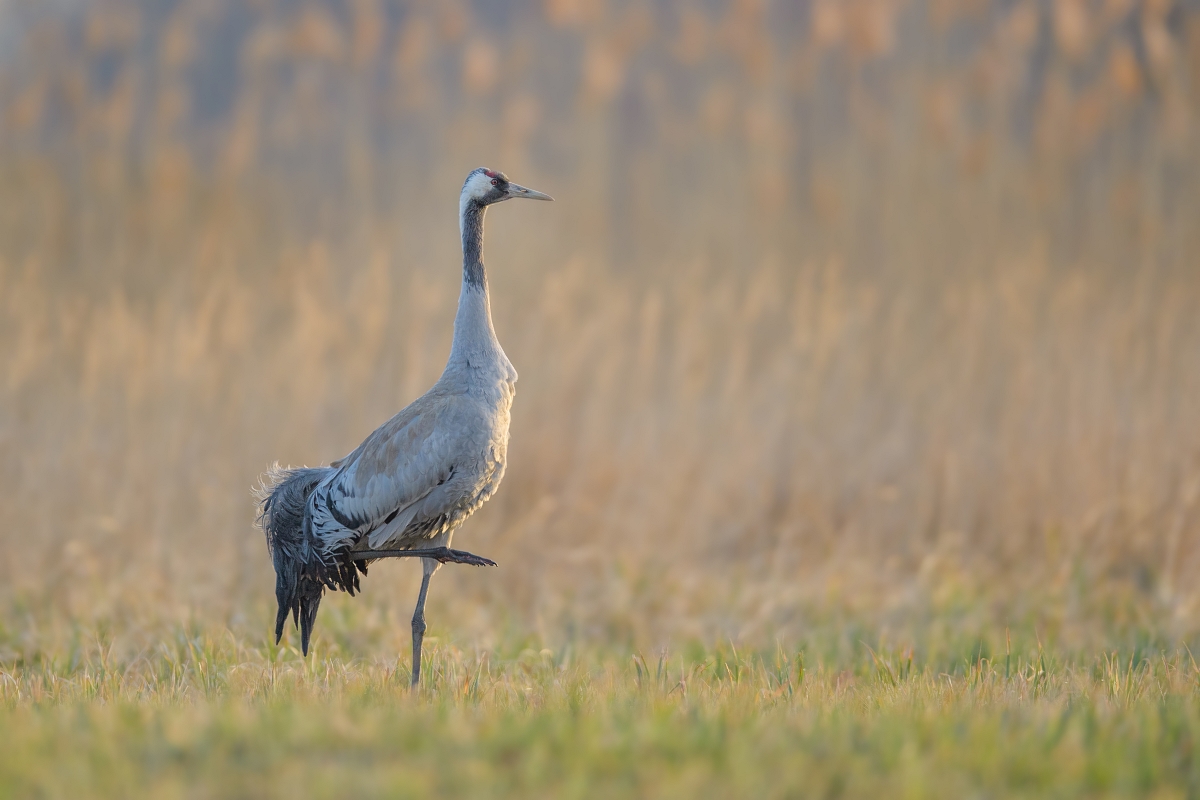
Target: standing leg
418, 627
428, 567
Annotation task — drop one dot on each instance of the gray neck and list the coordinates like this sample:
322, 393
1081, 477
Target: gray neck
471, 224
475, 353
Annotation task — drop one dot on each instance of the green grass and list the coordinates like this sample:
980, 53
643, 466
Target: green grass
205, 713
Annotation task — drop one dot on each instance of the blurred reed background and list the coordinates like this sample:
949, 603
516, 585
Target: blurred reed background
870, 310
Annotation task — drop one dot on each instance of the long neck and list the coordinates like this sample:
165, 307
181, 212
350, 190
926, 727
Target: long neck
470, 224
475, 342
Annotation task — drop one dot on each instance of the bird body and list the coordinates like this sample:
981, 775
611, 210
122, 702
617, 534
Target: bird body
417, 477
427, 468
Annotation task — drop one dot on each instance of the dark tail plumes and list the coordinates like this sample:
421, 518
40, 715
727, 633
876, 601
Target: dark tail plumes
301, 576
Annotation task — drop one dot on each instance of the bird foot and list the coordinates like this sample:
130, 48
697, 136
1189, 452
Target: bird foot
461, 557
442, 554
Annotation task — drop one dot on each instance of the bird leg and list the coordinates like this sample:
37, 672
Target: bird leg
441, 554
418, 629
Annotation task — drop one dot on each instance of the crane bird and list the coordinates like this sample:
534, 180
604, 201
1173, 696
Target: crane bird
405, 490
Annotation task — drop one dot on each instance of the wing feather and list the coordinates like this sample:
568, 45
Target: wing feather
398, 475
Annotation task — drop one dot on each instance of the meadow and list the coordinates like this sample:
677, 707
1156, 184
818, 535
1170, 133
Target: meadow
208, 714
854, 450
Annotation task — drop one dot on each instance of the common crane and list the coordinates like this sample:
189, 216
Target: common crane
407, 488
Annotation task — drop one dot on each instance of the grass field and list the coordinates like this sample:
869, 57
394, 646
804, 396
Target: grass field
206, 713
854, 453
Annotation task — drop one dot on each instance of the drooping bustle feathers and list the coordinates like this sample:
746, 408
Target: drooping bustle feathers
302, 570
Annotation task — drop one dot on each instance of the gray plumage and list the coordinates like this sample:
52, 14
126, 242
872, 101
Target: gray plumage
413, 481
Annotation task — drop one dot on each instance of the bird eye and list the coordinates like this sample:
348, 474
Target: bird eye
495, 182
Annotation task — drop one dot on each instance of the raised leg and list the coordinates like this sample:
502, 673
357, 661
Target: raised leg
443, 555
418, 628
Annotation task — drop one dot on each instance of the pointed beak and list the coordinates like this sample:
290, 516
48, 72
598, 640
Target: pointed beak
516, 190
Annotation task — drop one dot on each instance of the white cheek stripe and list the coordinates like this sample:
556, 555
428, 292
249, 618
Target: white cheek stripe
477, 187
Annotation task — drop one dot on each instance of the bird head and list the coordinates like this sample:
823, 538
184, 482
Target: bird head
485, 187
